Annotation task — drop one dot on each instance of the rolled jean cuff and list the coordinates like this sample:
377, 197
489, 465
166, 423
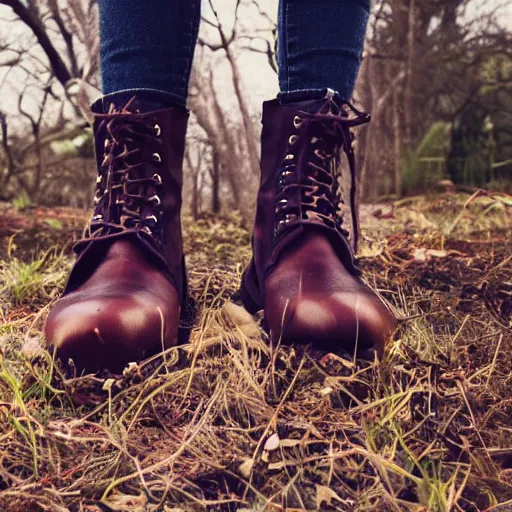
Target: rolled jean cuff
154, 96
308, 94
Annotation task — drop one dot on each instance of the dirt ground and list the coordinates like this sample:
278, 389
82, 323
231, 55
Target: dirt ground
229, 422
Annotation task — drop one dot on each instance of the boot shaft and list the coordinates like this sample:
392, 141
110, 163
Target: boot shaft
300, 185
139, 154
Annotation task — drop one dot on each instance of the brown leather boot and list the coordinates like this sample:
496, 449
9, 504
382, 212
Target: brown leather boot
122, 300
303, 273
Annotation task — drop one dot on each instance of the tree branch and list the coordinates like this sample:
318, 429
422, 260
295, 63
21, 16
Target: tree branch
32, 20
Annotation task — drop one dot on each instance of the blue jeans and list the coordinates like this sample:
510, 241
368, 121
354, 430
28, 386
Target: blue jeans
148, 46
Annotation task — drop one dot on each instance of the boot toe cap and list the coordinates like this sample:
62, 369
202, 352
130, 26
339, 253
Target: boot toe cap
348, 321
109, 332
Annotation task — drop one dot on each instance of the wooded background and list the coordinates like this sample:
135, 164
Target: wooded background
436, 77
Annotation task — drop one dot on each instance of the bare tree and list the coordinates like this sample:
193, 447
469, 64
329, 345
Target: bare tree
63, 49
38, 16
226, 44
227, 138
197, 161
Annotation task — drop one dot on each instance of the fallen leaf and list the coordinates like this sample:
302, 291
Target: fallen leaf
246, 467
423, 254
420, 220
370, 249
289, 443
126, 503
32, 348
437, 254
107, 385
327, 495
241, 319
420, 254
332, 358
272, 443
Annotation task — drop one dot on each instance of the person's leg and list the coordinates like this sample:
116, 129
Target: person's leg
303, 273
320, 44
122, 300
148, 46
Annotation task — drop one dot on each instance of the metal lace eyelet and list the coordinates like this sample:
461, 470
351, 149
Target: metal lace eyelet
106, 144
289, 156
147, 230
119, 201
158, 130
293, 139
96, 200
283, 177
153, 218
297, 122
99, 179
157, 178
97, 218
156, 158
283, 223
155, 199
330, 94
280, 205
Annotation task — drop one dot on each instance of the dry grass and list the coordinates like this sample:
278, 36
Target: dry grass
229, 422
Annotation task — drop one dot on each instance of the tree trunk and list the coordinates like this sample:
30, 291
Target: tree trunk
215, 174
364, 91
397, 145
246, 116
409, 73
195, 197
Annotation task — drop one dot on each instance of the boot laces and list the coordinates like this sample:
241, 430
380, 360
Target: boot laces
327, 133
126, 194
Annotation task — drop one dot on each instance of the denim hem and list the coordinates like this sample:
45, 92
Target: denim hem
166, 98
308, 94
320, 44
